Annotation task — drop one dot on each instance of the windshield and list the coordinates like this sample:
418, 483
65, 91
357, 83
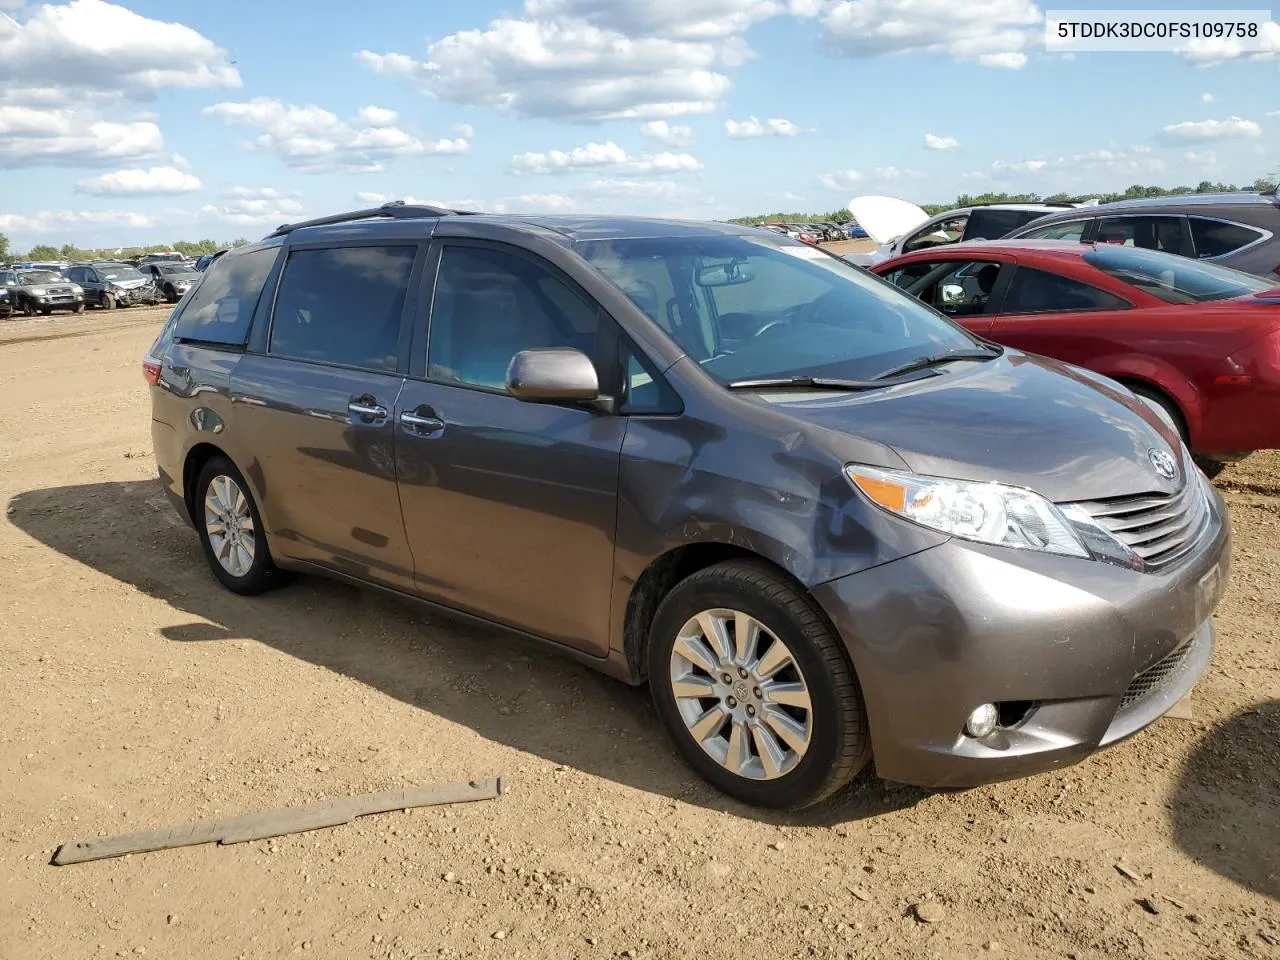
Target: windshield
32, 277
1172, 278
180, 270
749, 308
118, 271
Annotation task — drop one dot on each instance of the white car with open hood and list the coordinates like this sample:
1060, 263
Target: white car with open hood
900, 226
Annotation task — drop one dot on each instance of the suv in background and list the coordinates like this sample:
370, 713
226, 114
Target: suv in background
172, 279
1237, 230
41, 291
819, 519
110, 284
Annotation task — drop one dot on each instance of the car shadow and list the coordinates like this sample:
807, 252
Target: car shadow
507, 689
1226, 806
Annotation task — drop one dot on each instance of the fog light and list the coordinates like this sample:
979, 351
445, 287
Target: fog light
982, 721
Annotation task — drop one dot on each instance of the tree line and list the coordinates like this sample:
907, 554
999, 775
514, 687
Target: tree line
1137, 191
69, 251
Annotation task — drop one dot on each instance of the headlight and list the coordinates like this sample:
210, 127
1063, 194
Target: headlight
37, 291
986, 512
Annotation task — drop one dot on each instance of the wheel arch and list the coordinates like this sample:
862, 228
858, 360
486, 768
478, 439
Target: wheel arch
200, 454
669, 569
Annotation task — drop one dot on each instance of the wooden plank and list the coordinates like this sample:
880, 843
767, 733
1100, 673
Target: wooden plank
275, 823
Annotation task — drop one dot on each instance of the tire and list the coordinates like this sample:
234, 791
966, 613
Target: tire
837, 746
107, 302
78, 308
1210, 467
261, 574
45, 311
28, 308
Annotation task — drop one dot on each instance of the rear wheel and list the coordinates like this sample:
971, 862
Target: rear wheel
231, 530
45, 311
754, 688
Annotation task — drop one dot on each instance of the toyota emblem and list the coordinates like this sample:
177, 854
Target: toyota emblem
1164, 463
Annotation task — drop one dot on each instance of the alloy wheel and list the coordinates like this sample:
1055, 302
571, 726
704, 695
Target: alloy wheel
741, 694
228, 522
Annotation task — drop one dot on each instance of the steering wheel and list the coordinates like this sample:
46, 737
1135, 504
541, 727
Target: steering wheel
770, 325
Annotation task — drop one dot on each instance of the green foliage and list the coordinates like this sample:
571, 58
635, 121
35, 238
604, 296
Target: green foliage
839, 216
4, 247
43, 252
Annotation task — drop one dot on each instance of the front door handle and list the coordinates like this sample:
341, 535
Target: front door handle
367, 409
419, 424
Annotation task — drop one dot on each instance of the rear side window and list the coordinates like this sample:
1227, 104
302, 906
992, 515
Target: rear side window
1038, 291
1217, 238
994, 224
343, 305
222, 306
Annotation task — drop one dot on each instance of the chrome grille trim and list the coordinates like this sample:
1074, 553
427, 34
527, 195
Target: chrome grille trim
1159, 528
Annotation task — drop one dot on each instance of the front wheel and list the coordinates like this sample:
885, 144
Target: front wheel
78, 308
107, 302
231, 530
28, 308
755, 689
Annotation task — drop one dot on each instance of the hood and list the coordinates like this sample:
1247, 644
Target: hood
886, 218
130, 284
1022, 420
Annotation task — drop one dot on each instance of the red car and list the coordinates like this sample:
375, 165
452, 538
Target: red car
1198, 341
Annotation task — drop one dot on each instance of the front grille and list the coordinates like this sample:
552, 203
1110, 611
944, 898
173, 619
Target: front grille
1160, 528
1152, 679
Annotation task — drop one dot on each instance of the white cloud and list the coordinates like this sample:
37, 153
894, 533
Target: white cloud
371, 198
589, 61
536, 203
315, 140
1210, 52
1195, 131
69, 137
264, 210
840, 179
895, 173
179, 161
754, 127
1020, 166
465, 130
104, 50
607, 154
255, 193
630, 187
1109, 159
993, 34
673, 135
58, 221
377, 117
1206, 98
1273, 113
932, 142
139, 182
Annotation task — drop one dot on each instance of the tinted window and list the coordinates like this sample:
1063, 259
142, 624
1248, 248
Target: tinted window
1068, 230
1038, 291
644, 389
342, 305
1168, 234
795, 311
220, 309
994, 224
1217, 238
1174, 279
490, 305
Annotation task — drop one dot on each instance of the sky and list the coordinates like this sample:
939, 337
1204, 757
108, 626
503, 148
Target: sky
150, 121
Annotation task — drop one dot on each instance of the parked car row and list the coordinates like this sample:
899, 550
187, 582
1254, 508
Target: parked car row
823, 519
822, 232
108, 284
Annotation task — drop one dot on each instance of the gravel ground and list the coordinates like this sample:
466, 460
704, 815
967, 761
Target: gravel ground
137, 693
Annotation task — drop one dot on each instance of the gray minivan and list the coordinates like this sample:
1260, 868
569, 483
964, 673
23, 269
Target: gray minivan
821, 521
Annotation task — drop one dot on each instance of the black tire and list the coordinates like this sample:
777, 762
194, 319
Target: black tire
107, 302
78, 308
45, 311
28, 308
839, 746
263, 574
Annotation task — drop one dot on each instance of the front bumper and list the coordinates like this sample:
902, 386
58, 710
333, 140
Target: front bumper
1083, 653
59, 301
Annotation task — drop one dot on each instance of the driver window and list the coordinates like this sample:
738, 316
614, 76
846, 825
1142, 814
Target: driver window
958, 288
937, 234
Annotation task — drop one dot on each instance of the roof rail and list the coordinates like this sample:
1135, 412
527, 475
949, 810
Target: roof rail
396, 209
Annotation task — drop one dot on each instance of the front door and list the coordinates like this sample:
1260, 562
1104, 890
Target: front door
510, 506
319, 410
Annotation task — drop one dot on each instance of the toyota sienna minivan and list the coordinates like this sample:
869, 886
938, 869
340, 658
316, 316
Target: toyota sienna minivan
823, 523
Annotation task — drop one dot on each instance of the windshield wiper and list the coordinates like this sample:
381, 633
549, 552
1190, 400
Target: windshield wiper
817, 383
921, 363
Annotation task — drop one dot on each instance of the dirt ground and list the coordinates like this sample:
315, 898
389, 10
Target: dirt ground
137, 693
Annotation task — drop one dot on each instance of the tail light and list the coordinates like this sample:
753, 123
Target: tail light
151, 370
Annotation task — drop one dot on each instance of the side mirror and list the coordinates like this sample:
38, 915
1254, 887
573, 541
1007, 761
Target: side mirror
556, 373
952, 293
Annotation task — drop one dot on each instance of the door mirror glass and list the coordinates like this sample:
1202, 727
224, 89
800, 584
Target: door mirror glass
555, 373
952, 293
